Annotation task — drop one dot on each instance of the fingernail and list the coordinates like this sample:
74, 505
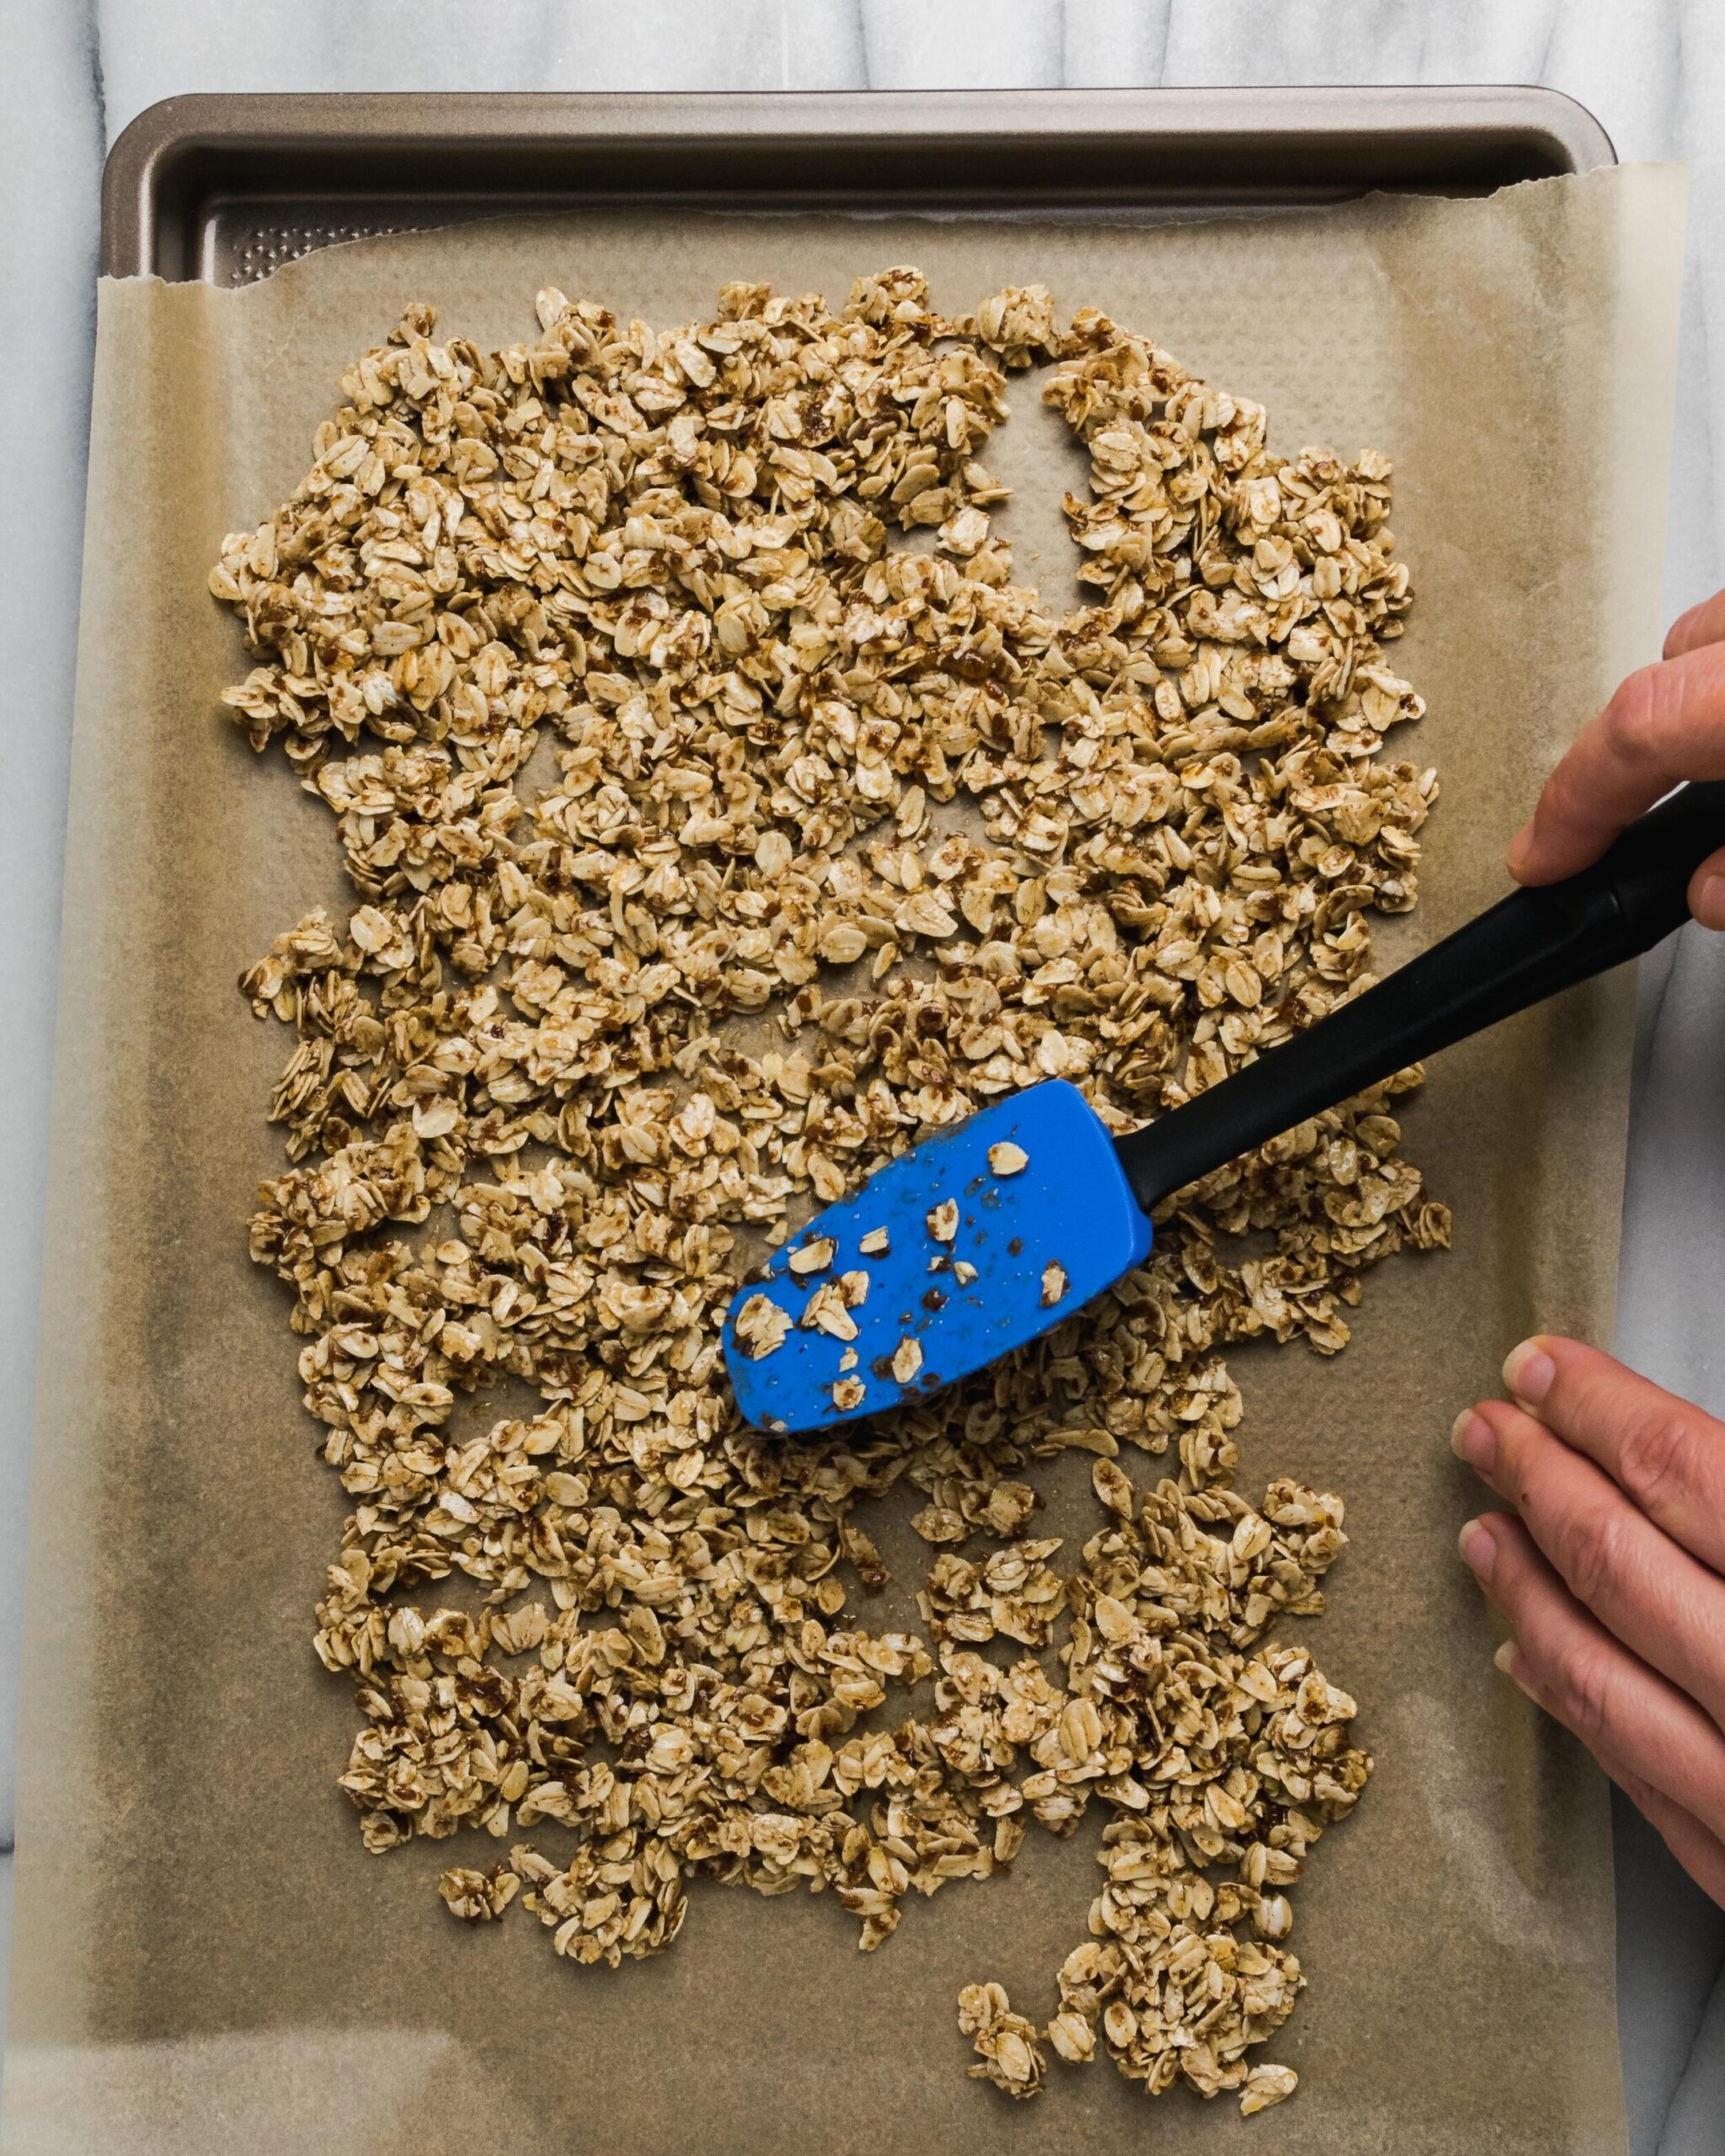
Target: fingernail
1528, 1371
1472, 1439
1479, 1549
1710, 903
1519, 849
1508, 1658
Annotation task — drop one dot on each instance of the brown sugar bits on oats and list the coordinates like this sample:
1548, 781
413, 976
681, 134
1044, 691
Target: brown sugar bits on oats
829, 1310
762, 1325
478, 1897
943, 1220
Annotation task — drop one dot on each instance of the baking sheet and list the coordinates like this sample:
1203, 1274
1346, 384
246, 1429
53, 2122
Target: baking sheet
228, 185
203, 1956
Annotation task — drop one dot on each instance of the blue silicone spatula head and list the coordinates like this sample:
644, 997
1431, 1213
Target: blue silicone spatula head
975, 1242
989, 1235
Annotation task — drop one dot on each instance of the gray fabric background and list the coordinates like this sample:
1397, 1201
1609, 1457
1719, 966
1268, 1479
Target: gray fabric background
73, 73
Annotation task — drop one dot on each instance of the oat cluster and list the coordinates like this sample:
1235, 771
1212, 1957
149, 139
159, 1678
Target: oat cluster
1005, 2043
713, 841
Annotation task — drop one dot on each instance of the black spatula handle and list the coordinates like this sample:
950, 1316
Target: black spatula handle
1527, 947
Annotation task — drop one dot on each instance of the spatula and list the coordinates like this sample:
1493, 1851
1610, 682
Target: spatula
990, 1233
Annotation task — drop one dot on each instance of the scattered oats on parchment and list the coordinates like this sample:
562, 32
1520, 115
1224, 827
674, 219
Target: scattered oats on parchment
927, 844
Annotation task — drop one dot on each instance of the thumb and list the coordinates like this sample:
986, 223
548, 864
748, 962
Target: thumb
1707, 891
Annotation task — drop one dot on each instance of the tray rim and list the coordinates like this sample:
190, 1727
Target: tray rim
167, 137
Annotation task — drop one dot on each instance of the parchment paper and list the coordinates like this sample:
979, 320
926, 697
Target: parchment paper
204, 1959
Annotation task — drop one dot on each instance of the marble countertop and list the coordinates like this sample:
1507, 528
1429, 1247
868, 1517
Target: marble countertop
1651, 71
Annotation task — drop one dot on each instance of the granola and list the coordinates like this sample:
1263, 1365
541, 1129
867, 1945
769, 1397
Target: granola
845, 840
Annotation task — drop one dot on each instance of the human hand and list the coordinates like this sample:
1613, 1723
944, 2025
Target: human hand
1665, 723
1612, 1577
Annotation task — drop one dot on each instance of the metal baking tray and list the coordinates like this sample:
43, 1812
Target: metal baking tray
226, 189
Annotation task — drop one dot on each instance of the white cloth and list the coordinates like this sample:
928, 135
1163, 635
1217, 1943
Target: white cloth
1653, 71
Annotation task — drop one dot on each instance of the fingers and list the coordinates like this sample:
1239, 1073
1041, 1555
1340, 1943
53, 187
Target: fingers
1611, 1578
1665, 723
1647, 1592
1665, 1453
1702, 625
1701, 1854
1569, 1662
